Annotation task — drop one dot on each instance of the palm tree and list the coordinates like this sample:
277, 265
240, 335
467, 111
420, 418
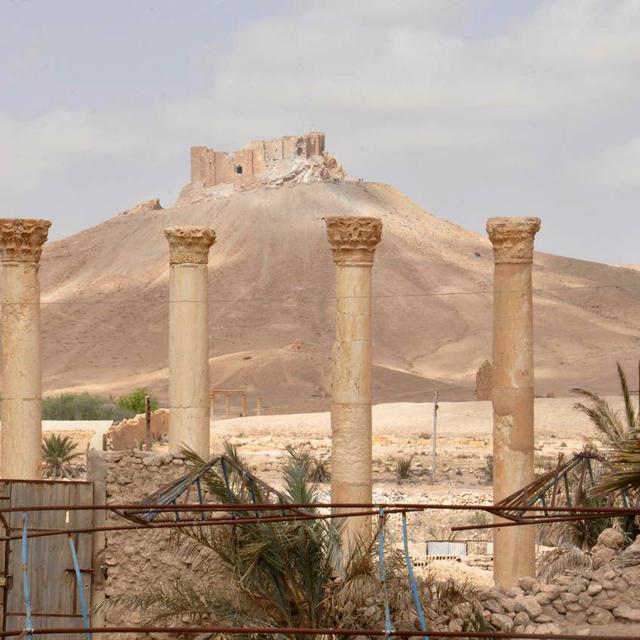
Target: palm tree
58, 453
275, 574
286, 574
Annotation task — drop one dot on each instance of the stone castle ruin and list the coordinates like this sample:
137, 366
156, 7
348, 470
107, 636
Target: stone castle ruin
261, 164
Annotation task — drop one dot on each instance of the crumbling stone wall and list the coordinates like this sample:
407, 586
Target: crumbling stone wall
132, 562
211, 167
130, 434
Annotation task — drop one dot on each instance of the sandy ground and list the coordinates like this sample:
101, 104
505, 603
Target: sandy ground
464, 440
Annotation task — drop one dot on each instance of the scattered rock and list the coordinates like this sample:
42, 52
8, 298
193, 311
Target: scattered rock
529, 605
611, 538
627, 613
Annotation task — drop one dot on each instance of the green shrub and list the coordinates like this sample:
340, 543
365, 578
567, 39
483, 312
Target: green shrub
82, 406
134, 401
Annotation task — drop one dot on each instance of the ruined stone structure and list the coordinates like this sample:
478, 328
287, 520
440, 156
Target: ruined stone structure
579, 600
130, 433
189, 338
21, 246
211, 167
143, 207
227, 395
353, 241
484, 381
513, 438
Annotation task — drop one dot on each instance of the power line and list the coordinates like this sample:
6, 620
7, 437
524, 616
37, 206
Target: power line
382, 296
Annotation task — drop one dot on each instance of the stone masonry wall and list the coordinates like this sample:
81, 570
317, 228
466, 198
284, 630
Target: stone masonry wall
132, 562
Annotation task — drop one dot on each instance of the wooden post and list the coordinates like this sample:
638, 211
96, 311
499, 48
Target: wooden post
434, 437
147, 422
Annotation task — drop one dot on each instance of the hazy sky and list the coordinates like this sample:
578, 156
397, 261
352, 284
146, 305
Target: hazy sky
474, 108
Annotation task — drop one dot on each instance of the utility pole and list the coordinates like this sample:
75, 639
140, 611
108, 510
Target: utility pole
147, 422
433, 438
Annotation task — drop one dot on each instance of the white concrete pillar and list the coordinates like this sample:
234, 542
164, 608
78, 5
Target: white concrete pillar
21, 437
513, 432
353, 241
189, 338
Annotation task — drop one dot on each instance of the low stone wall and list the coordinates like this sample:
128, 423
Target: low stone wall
130, 434
583, 600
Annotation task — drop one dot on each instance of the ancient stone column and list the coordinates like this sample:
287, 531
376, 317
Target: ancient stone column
189, 338
353, 241
21, 438
512, 381
243, 403
227, 404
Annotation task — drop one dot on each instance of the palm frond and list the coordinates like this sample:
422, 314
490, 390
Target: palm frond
630, 411
625, 471
561, 559
603, 416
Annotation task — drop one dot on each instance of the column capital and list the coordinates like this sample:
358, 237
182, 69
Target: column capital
512, 238
189, 244
353, 239
21, 239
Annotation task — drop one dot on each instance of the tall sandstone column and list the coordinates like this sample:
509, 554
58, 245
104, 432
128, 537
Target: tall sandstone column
353, 241
21, 245
189, 338
513, 437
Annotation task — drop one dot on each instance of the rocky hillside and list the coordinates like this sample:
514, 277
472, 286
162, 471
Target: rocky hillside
105, 301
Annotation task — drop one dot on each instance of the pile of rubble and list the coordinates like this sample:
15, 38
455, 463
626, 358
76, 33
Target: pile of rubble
606, 593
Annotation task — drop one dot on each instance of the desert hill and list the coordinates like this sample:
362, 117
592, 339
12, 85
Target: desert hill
105, 301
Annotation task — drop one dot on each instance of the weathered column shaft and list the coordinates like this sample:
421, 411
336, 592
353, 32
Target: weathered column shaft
243, 403
21, 438
353, 241
513, 423
189, 338
227, 404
